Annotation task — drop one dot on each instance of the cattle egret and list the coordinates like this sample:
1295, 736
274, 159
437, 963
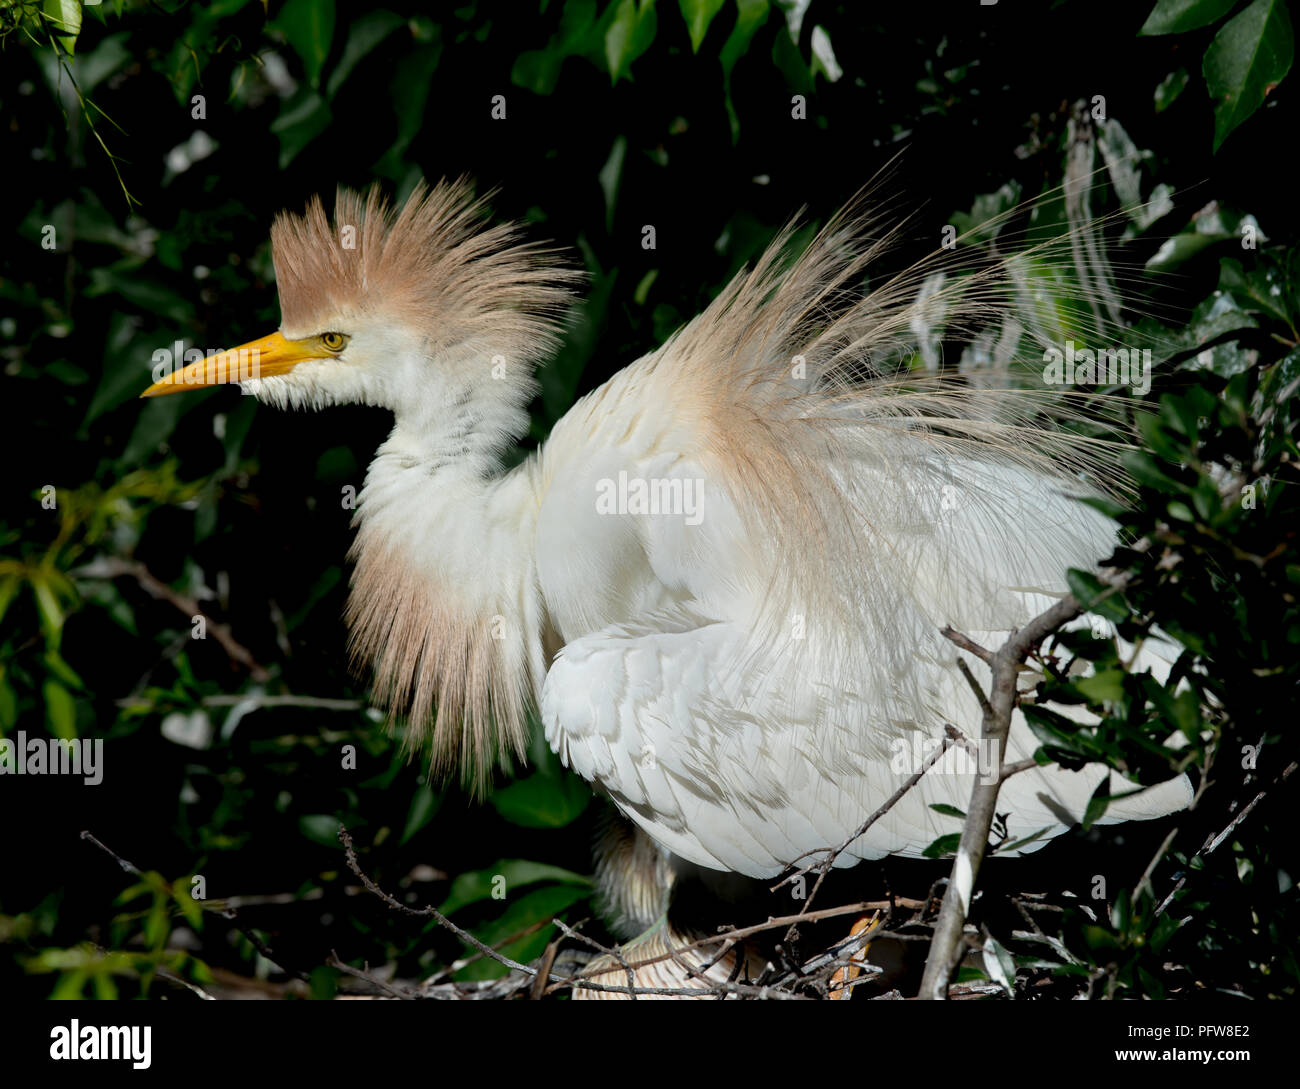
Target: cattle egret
722, 580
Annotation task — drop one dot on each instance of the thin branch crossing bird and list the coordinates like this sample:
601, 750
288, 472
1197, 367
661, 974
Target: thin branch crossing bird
722, 580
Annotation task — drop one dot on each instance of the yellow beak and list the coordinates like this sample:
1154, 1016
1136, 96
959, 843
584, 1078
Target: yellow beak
263, 358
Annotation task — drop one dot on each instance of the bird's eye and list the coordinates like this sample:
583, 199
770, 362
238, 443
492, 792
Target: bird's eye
334, 342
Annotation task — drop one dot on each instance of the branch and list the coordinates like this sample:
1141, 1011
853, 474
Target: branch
111, 567
823, 867
1214, 842
226, 913
428, 912
945, 951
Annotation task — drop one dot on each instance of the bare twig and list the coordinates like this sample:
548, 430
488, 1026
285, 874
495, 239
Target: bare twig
1016, 768
735, 933
967, 644
982, 699
428, 912
615, 953
996, 725
538, 988
108, 567
226, 913
336, 962
823, 867
1214, 842
129, 867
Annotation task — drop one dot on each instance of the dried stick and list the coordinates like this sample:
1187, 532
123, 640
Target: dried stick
824, 866
111, 568
945, 950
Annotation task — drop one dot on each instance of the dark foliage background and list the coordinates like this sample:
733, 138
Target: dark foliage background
224, 754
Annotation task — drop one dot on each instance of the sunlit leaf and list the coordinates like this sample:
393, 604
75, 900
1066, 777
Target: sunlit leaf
698, 15
364, 35
1180, 16
308, 26
543, 801
1249, 56
501, 878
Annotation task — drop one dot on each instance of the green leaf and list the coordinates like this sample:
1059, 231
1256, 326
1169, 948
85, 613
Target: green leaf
791, 65
1180, 16
1123, 163
424, 806
47, 606
101, 62
70, 986
1060, 736
947, 810
698, 15
610, 176
1108, 507
543, 801
1121, 912
1096, 597
478, 885
9, 587
1248, 58
522, 913
538, 70
153, 426
943, 846
308, 26
1103, 687
123, 279
1166, 927
303, 117
1098, 937
629, 35
1174, 251
320, 828
1169, 88
999, 964
60, 710
642, 291
365, 34
1023, 841
8, 705
190, 908
1097, 804
983, 222
1143, 468
750, 16
1262, 290
324, 983
561, 376
61, 670
64, 18
410, 90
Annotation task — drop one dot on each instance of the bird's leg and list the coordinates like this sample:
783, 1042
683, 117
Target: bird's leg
842, 981
635, 879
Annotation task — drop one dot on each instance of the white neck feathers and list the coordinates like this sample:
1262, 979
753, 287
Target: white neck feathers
444, 603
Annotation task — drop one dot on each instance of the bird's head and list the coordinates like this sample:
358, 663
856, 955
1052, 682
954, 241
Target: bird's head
395, 308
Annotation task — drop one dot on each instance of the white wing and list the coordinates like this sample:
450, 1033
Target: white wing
743, 741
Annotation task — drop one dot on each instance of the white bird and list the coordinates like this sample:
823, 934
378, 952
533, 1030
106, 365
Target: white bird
723, 578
